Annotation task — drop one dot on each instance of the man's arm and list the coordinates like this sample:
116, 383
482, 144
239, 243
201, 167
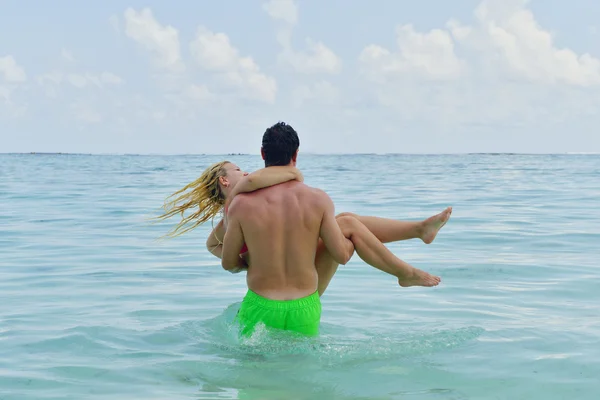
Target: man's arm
233, 240
341, 249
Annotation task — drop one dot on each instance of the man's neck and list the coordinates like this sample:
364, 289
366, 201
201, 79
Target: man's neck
291, 164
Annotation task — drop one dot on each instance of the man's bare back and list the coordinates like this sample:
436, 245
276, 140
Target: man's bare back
281, 226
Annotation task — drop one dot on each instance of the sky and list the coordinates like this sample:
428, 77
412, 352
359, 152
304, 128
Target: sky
386, 76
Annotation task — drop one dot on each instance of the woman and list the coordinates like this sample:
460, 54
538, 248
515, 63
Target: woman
220, 183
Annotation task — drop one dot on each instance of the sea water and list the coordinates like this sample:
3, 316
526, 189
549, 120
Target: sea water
93, 306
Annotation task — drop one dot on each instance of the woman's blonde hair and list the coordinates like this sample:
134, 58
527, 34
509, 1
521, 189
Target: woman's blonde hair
204, 193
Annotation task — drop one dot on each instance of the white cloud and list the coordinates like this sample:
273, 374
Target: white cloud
283, 10
527, 50
12, 77
505, 42
11, 71
162, 41
427, 55
503, 69
318, 58
215, 53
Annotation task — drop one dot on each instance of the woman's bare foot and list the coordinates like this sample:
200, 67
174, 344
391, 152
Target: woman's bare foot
432, 225
419, 278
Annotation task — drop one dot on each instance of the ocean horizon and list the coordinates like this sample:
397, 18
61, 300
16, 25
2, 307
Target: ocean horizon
303, 153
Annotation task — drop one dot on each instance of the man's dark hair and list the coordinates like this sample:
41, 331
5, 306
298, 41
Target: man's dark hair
279, 143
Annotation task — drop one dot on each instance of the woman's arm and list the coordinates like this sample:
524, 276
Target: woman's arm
265, 177
214, 243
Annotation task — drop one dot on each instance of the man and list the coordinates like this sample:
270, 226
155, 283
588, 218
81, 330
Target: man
281, 226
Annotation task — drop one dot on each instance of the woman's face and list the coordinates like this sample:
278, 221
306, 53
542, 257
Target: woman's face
233, 174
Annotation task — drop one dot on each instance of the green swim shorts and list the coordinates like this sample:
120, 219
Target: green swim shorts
300, 315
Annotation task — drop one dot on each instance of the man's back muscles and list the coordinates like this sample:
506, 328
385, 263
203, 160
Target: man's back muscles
281, 226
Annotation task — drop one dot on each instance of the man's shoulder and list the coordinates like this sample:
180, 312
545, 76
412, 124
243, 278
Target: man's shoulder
239, 203
314, 190
316, 194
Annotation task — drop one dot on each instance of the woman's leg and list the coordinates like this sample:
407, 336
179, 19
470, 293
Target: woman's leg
391, 230
373, 252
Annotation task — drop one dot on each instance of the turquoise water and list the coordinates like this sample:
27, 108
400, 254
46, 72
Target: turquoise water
93, 307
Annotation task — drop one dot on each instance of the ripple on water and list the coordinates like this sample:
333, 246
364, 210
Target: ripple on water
94, 306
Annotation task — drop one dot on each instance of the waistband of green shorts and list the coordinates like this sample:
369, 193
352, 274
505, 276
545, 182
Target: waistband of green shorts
256, 299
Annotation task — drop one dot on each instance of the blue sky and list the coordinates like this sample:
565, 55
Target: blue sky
352, 77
